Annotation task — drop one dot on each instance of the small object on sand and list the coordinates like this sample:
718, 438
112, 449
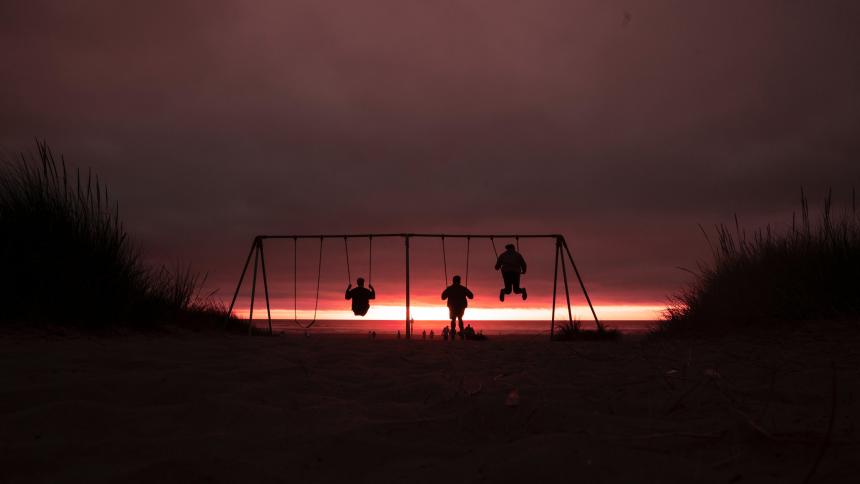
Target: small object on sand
476, 390
424, 334
513, 399
398, 334
373, 334
431, 334
369, 335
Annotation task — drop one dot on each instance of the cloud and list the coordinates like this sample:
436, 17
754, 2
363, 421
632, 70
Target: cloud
214, 121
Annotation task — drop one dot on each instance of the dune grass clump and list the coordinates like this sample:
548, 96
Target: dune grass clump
573, 331
67, 259
811, 271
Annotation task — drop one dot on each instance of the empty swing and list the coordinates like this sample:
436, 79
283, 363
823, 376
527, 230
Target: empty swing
359, 295
295, 286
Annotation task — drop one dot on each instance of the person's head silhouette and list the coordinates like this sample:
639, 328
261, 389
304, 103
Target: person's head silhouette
360, 282
511, 247
456, 280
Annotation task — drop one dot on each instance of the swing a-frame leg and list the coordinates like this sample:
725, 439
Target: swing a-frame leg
241, 279
253, 288
259, 260
265, 285
566, 288
581, 284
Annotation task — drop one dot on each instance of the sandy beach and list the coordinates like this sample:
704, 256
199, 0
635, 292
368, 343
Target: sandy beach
195, 407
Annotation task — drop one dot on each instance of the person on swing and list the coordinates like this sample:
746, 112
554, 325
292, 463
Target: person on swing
512, 264
457, 295
360, 296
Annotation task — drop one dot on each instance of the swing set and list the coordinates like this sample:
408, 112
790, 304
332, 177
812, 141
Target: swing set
561, 250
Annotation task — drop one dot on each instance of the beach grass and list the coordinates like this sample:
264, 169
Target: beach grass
807, 272
573, 331
68, 259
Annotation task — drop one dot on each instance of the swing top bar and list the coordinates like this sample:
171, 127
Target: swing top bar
452, 236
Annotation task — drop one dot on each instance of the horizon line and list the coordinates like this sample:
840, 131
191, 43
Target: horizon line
615, 312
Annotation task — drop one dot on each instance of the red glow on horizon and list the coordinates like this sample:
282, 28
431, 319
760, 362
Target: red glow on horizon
424, 312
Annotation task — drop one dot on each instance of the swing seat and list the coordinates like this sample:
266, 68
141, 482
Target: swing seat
360, 311
361, 298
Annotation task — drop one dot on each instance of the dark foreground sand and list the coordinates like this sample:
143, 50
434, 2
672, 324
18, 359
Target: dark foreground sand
186, 407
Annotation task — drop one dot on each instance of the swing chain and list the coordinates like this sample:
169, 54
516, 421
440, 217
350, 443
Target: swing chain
348, 272
468, 250
444, 261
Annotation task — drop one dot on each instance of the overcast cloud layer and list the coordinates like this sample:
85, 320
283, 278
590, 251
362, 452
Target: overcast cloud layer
621, 124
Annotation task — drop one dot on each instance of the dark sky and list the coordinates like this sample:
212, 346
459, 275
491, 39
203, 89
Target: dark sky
621, 124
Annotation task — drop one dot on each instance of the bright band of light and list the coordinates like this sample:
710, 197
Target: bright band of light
440, 313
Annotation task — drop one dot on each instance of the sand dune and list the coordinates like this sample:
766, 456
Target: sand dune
189, 407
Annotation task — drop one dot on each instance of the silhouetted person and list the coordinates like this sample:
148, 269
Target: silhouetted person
457, 295
512, 264
360, 296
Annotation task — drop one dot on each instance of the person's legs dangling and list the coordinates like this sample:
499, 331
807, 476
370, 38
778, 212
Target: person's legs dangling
508, 278
515, 280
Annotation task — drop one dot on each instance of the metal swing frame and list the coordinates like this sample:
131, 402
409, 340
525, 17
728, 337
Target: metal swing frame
561, 250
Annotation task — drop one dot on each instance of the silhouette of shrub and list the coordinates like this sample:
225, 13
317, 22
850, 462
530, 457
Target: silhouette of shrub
811, 271
66, 257
573, 331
